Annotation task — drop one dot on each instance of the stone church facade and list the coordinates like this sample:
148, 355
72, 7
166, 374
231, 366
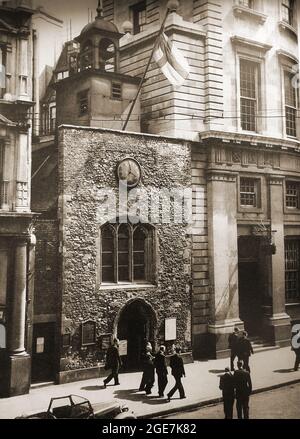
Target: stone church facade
229, 134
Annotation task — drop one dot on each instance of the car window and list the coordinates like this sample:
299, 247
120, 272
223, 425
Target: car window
61, 408
81, 411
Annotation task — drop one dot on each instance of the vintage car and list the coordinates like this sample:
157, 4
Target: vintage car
77, 407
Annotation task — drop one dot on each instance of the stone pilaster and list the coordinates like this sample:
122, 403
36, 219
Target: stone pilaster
277, 325
223, 253
18, 365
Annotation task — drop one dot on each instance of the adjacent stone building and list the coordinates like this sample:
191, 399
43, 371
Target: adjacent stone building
16, 238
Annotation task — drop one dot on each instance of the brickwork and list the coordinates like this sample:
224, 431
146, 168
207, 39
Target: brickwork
46, 272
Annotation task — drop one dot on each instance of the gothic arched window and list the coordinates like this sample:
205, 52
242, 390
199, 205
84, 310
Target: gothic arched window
139, 253
127, 253
123, 253
108, 253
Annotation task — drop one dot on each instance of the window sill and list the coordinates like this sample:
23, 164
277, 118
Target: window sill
291, 210
241, 11
283, 26
125, 286
245, 210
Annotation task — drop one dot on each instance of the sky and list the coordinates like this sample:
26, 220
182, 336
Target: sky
74, 10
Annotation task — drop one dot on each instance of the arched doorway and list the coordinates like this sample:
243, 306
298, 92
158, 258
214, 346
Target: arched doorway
137, 325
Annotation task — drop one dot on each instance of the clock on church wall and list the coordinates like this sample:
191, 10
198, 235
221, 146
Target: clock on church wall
129, 172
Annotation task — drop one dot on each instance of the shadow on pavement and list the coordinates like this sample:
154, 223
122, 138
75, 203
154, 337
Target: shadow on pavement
132, 395
92, 388
216, 371
284, 370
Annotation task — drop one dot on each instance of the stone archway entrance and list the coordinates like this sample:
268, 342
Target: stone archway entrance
137, 325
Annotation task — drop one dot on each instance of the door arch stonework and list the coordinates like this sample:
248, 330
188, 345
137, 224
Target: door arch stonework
136, 322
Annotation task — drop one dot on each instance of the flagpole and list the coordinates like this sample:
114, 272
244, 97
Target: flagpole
146, 69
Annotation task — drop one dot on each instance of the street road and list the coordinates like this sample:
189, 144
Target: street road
283, 403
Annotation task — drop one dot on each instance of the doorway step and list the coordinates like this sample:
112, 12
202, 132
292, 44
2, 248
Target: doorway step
43, 384
260, 345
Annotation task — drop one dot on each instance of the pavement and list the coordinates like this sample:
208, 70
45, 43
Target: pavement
269, 370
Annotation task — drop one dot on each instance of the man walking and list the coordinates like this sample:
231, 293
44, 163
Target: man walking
177, 367
227, 387
161, 370
148, 371
244, 350
233, 340
243, 389
113, 362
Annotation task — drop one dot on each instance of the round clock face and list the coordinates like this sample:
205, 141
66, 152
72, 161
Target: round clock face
129, 172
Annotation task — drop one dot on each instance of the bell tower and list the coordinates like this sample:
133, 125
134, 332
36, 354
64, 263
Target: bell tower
93, 92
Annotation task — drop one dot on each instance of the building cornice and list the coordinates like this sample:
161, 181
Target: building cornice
283, 26
245, 42
99, 73
275, 179
287, 56
221, 175
174, 24
250, 139
240, 11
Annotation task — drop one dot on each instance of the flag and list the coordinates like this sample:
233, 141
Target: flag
170, 61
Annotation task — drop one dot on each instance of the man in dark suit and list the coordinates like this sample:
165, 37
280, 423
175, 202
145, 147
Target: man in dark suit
233, 340
244, 350
161, 370
227, 387
177, 367
113, 362
243, 389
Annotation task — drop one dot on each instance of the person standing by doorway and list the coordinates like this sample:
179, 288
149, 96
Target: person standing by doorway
243, 389
113, 362
233, 341
177, 367
244, 350
227, 387
161, 370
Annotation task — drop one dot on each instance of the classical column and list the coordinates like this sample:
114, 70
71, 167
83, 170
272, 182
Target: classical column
222, 236
278, 324
17, 366
18, 316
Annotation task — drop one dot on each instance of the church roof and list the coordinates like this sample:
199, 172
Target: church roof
100, 24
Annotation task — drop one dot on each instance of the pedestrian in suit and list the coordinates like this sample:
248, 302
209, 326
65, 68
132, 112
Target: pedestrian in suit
161, 370
243, 390
148, 371
296, 349
244, 350
228, 393
177, 367
233, 341
113, 362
